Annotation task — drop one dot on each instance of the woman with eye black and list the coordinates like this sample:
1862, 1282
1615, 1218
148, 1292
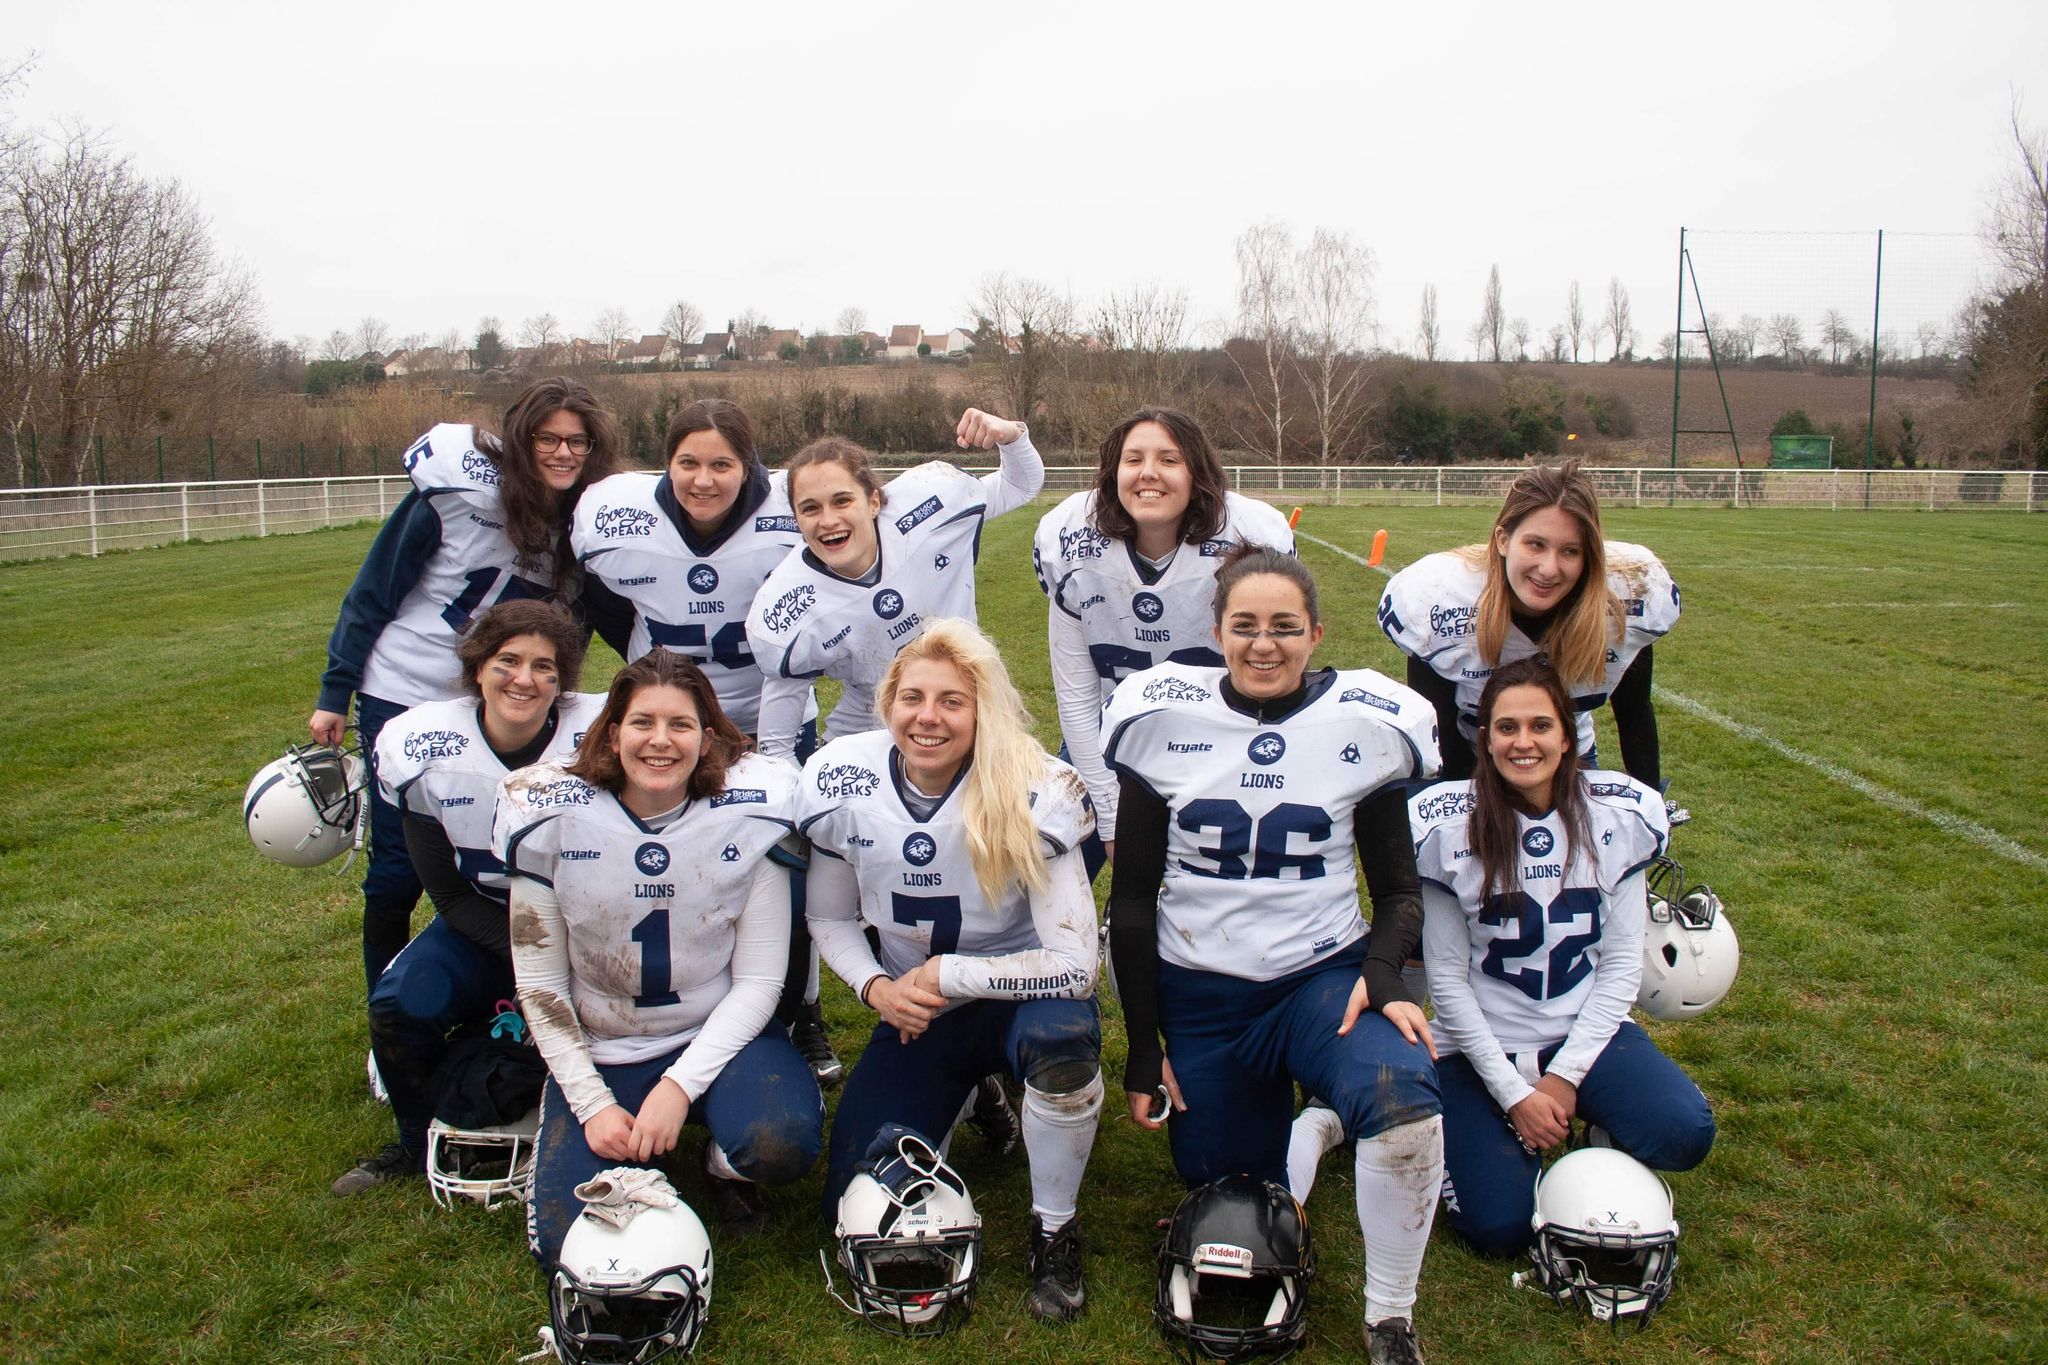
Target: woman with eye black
1251, 795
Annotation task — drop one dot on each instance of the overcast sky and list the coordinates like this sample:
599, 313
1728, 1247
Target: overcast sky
430, 164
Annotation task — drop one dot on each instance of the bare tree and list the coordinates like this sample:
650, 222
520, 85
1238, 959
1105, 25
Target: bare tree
612, 328
372, 336
1927, 339
542, 333
1835, 334
1492, 320
1265, 311
2002, 335
1519, 335
1742, 337
1788, 334
682, 324
1334, 288
2015, 224
1574, 320
337, 346
1429, 336
1143, 332
750, 334
1619, 325
1025, 325
852, 321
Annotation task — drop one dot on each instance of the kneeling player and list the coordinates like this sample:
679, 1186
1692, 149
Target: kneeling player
650, 929
956, 838
1533, 897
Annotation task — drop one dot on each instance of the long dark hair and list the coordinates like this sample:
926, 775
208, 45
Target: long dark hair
536, 516
1494, 830
723, 743
1205, 515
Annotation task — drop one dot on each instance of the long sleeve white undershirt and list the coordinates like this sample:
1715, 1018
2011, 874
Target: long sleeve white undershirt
1078, 688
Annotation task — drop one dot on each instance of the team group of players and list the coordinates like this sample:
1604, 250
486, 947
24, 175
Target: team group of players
644, 870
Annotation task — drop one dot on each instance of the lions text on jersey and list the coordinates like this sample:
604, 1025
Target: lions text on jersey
651, 915
1429, 611
1261, 868
917, 887
1111, 615
474, 567
808, 622
630, 536
433, 761
1531, 954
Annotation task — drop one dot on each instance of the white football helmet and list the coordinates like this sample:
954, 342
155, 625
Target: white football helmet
1606, 1237
306, 808
1690, 952
909, 1238
631, 1295
488, 1166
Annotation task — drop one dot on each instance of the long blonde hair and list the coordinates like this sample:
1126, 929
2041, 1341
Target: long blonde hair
1589, 619
1002, 838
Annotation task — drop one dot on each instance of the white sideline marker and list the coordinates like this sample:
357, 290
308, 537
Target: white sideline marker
1975, 833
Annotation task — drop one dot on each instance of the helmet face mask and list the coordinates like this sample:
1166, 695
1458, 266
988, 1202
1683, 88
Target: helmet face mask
488, 1166
304, 809
1234, 1272
909, 1239
1606, 1236
631, 1295
1690, 952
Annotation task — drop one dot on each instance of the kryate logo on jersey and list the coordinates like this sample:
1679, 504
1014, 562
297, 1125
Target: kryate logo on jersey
1349, 753
844, 631
480, 467
1444, 805
562, 791
651, 859
1083, 542
1452, 623
775, 524
847, 779
1188, 746
1370, 699
919, 849
1174, 689
615, 523
731, 854
735, 796
918, 515
703, 579
789, 608
1147, 607
424, 746
1538, 842
1621, 789
888, 604
1266, 748
940, 563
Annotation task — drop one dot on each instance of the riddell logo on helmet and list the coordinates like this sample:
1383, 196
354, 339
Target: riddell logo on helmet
1225, 1257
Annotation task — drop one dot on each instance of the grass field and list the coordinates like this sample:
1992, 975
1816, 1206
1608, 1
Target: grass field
181, 1031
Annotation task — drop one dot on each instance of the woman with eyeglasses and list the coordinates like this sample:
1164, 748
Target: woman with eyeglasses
1251, 795
1128, 566
486, 521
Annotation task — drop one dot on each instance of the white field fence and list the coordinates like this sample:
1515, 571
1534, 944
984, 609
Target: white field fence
41, 523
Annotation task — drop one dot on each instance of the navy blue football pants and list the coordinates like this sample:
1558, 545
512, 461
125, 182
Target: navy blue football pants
1237, 1047
764, 1111
1647, 1104
390, 888
923, 1083
439, 981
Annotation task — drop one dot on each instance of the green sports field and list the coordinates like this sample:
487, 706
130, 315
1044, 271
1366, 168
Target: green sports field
1853, 708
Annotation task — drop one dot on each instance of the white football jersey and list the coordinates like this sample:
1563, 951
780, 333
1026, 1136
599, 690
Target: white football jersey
1534, 951
694, 605
652, 915
433, 761
1261, 865
808, 622
1429, 611
1131, 624
918, 890
475, 567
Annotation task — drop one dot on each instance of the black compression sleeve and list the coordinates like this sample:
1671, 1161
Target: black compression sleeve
1135, 876
609, 614
1442, 693
1386, 851
1635, 721
475, 916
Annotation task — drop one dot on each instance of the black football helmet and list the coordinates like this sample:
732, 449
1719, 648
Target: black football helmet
1234, 1272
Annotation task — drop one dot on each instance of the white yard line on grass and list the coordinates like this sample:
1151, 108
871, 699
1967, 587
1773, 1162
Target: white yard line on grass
1975, 833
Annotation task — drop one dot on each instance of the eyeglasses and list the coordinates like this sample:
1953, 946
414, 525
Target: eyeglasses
1250, 633
547, 443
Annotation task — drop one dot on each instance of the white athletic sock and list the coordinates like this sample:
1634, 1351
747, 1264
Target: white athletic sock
716, 1164
811, 981
1316, 1130
1400, 1173
1059, 1130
